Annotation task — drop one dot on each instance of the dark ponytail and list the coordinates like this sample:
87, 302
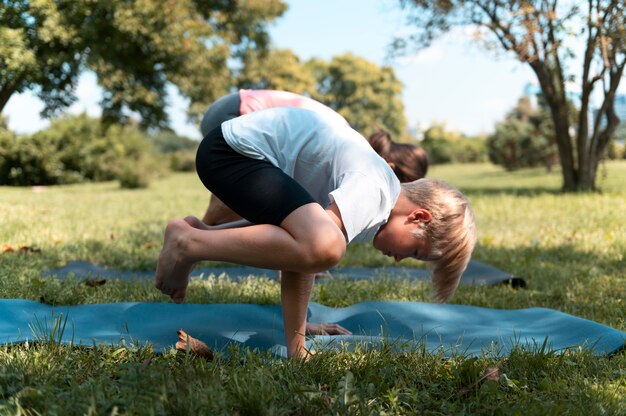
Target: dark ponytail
410, 161
381, 143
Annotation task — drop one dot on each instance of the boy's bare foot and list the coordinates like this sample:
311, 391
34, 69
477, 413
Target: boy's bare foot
195, 222
173, 267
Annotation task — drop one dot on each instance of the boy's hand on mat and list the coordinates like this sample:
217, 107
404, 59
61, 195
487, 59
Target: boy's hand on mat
326, 329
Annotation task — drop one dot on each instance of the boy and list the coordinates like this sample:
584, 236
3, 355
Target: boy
309, 186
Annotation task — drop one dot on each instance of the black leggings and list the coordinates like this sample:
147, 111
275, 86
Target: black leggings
255, 189
225, 108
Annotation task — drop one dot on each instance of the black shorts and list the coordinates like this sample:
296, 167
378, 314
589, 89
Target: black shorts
255, 189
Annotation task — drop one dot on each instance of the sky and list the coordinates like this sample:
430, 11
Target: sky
453, 81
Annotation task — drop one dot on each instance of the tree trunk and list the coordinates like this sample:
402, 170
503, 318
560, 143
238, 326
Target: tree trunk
5, 94
555, 97
602, 136
564, 145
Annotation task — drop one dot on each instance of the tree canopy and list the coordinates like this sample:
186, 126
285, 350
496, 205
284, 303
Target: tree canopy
135, 49
278, 69
541, 33
366, 94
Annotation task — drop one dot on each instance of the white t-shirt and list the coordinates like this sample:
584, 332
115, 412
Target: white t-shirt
330, 160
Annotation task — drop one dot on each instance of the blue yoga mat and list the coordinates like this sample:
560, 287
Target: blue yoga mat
404, 325
477, 273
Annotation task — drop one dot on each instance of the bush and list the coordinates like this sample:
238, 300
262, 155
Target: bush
518, 144
167, 141
445, 146
183, 161
615, 150
134, 176
525, 138
74, 149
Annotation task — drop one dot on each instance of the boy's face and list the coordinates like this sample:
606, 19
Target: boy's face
396, 239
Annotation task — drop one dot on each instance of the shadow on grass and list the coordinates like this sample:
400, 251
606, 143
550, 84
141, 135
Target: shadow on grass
138, 250
511, 190
545, 267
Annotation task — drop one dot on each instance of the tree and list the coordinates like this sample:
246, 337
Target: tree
367, 95
448, 146
538, 33
136, 48
278, 69
523, 139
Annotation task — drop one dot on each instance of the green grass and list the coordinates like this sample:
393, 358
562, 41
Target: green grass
570, 249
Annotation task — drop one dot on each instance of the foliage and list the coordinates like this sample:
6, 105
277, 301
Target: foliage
445, 146
617, 148
540, 33
182, 161
571, 263
73, 149
524, 139
167, 141
278, 69
615, 151
135, 174
368, 96
179, 151
135, 49
620, 132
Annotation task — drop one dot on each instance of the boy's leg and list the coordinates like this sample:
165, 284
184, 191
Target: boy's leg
218, 213
307, 241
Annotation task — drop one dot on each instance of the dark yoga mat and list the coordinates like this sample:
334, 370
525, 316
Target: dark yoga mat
404, 325
476, 274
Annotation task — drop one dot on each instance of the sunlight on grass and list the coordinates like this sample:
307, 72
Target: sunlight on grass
570, 249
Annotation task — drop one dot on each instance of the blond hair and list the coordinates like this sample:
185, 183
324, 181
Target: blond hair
451, 232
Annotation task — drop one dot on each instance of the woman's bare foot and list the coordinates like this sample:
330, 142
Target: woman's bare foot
173, 267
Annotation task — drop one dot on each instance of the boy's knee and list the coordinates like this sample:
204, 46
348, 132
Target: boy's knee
324, 250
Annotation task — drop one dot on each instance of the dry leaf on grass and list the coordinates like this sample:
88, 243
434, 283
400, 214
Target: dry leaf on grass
8, 248
188, 343
95, 282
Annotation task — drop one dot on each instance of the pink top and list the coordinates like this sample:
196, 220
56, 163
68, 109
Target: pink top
255, 100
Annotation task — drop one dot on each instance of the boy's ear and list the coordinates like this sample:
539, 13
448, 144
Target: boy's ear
392, 166
420, 215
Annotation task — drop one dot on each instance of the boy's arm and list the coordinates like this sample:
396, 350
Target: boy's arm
295, 290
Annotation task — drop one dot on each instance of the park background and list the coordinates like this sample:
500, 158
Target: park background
479, 111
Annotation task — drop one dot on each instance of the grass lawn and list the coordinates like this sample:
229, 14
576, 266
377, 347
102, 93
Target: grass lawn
571, 249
